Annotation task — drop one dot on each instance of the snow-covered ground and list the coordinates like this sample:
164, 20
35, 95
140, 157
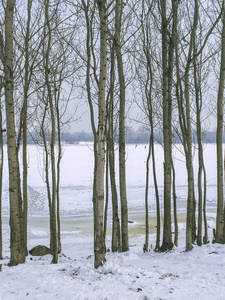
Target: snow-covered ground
199, 274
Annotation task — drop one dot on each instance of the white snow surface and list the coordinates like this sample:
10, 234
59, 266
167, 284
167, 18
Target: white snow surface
176, 274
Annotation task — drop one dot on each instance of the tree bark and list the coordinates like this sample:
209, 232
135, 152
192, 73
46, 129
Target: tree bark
59, 244
25, 106
175, 207
46, 166
106, 190
198, 100
16, 217
205, 238
99, 135
116, 233
167, 234
146, 244
98, 193
190, 223
146, 44
52, 138
122, 148
219, 237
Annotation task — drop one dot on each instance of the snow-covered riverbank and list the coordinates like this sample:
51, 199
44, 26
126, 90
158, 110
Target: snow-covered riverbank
199, 274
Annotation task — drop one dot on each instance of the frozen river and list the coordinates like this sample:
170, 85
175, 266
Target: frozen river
76, 188
130, 275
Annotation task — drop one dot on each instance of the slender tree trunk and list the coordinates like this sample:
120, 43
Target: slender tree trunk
53, 135
167, 234
172, 44
24, 122
190, 228
59, 244
190, 223
25, 173
58, 172
116, 234
122, 148
106, 190
199, 235
167, 65
185, 125
146, 244
149, 98
219, 237
47, 180
16, 217
175, 207
98, 194
99, 136
106, 167
205, 238
198, 101
157, 247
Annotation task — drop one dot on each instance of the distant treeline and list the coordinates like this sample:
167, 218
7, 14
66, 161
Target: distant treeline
132, 137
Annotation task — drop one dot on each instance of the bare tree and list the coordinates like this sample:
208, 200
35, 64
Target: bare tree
16, 216
185, 104
100, 132
167, 69
146, 244
198, 79
122, 149
175, 206
116, 231
24, 122
219, 235
146, 69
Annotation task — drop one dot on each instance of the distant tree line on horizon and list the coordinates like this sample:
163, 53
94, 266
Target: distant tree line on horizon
167, 57
139, 136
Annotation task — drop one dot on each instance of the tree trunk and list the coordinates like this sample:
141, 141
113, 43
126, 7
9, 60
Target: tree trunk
175, 207
146, 244
190, 223
198, 101
205, 238
52, 138
16, 217
46, 166
190, 229
106, 190
157, 246
98, 193
58, 169
122, 148
149, 98
25, 105
167, 234
116, 234
219, 237
99, 136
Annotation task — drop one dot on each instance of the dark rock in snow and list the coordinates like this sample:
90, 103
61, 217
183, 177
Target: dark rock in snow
40, 250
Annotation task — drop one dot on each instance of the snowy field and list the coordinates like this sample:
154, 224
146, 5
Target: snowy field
199, 274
